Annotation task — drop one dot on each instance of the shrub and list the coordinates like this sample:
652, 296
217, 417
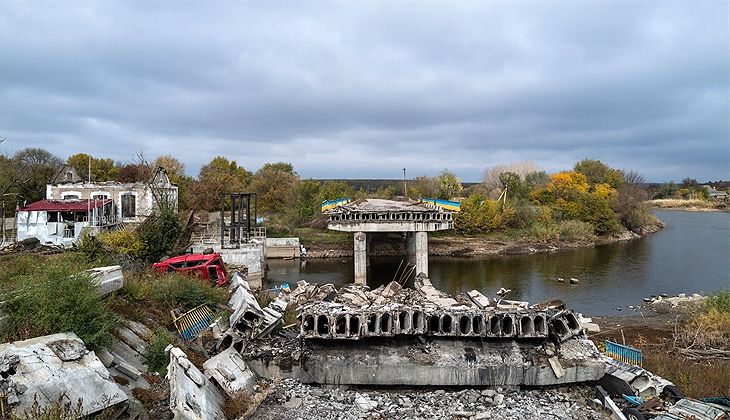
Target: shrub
175, 290
55, 299
93, 250
154, 355
576, 231
159, 235
543, 232
719, 301
123, 240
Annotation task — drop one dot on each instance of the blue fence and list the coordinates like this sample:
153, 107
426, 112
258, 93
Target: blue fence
624, 353
193, 322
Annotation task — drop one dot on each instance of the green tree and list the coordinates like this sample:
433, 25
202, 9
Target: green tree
219, 176
35, 167
477, 214
308, 203
513, 187
563, 193
275, 185
101, 169
596, 210
334, 190
449, 186
596, 172
423, 187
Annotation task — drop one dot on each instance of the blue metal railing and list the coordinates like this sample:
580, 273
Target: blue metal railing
624, 353
330, 204
448, 205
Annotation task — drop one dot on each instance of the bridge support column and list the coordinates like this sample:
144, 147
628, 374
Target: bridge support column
411, 246
361, 267
367, 249
421, 245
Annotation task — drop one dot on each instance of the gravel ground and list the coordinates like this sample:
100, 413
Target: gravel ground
292, 400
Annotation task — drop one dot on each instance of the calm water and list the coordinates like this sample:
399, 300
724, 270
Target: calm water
691, 255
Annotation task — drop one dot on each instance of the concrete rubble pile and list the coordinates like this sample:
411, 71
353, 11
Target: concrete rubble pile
55, 368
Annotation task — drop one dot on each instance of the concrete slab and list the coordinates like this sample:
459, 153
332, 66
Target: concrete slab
56, 365
447, 362
231, 372
192, 396
109, 279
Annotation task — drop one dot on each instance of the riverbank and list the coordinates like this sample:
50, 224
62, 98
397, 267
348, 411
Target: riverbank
463, 246
688, 205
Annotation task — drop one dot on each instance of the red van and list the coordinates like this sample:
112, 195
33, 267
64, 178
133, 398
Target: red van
206, 266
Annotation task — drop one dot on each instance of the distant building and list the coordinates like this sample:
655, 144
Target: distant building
716, 194
133, 202
60, 222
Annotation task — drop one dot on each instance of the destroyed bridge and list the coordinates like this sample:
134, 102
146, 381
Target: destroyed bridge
413, 218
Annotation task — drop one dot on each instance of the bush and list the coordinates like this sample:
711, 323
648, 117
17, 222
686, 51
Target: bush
56, 299
544, 232
719, 301
159, 235
176, 290
154, 355
123, 240
576, 231
93, 250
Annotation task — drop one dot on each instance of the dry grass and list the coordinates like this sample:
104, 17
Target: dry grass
235, 406
695, 380
674, 203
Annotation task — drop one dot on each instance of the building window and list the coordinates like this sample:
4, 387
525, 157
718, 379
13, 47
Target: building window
71, 197
100, 197
129, 205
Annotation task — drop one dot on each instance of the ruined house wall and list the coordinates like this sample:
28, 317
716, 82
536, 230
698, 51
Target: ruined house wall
144, 200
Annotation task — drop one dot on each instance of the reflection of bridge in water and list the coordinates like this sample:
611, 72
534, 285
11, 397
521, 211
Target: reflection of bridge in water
413, 218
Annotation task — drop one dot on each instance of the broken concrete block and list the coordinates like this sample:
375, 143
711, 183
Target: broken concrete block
109, 279
127, 369
364, 403
106, 358
53, 366
556, 367
192, 397
479, 299
247, 314
231, 372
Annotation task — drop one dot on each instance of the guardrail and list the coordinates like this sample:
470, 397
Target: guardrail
444, 204
330, 204
624, 353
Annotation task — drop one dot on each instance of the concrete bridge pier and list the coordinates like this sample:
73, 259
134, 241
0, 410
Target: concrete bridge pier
421, 251
361, 259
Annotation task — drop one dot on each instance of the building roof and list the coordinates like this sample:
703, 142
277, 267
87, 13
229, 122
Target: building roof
65, 205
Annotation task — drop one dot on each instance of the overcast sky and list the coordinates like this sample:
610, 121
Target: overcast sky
364, 89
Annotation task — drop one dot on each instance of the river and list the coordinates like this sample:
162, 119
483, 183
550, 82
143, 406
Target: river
691, 255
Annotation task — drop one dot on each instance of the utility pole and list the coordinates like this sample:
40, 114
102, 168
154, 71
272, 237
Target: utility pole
405, 190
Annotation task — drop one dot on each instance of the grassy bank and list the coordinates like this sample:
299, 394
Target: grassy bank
696, 205
51, 294
686, 353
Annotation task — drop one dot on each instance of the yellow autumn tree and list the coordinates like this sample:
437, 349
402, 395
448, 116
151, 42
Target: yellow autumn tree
563, 192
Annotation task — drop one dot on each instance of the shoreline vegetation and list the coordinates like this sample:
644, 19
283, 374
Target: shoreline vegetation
338, 245
687, 205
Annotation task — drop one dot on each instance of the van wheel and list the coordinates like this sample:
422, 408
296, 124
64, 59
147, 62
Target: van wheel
671, 392
633, 414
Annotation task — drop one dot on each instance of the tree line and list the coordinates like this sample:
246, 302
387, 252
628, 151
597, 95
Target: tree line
592, 198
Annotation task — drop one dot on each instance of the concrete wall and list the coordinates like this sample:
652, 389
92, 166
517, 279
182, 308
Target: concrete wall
282, 248
251, 255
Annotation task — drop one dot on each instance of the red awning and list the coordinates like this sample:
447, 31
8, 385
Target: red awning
65, 205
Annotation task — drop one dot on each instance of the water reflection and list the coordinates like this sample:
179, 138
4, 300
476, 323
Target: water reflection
690, 256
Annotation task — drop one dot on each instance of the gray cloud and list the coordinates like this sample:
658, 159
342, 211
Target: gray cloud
362, 89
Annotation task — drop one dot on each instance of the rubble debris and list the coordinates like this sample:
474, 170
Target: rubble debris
624, 378
311, 402
231, 372
49, 367
108, 279
192, 396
